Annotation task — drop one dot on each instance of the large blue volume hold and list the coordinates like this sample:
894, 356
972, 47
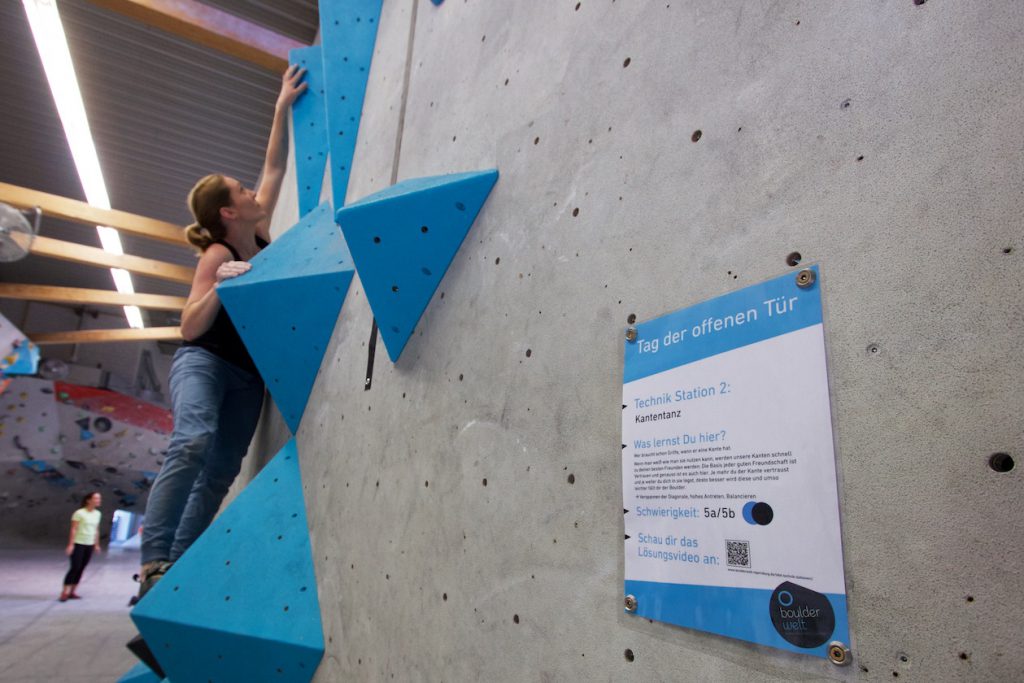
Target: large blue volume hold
404, 238
286, 307
348, 31
241, 605
309, 127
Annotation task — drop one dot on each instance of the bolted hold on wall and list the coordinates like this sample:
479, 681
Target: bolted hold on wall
630, 603
631, 334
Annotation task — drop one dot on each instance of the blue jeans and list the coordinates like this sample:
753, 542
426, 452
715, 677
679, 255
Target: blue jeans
216, 406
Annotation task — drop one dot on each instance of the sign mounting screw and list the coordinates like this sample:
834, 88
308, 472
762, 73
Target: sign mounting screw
838, 653
805, 278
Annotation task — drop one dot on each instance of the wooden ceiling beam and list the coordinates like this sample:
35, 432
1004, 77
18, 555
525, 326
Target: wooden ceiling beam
99, 297
81, 212
211, 27
79, 253
98, 336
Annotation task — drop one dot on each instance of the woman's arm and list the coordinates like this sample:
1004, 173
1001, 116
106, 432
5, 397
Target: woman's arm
71, 538
277, 147
215, 265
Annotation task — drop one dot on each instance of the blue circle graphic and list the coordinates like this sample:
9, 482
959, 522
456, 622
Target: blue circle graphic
787, 594
747, 509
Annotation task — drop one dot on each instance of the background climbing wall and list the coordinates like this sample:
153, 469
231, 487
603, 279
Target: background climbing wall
60, 441
465, 512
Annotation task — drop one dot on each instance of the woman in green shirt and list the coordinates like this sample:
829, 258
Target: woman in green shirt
85, 536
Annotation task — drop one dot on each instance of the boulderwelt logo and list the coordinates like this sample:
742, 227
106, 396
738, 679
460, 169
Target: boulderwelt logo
803, 617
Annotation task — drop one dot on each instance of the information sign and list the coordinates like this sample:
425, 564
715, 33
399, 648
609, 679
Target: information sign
728, 470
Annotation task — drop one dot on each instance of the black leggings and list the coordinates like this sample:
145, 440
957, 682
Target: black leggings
79, 559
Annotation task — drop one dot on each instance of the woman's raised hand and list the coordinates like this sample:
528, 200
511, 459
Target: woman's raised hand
230, 269
291, 86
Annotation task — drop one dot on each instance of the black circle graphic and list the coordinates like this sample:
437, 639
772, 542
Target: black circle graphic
762, 513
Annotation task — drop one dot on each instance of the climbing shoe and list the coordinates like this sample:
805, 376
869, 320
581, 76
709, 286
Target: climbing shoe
150, 574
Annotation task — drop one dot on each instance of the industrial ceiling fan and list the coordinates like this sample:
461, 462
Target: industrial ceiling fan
16, 233
53, 369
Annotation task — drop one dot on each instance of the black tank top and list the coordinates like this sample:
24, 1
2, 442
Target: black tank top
222, 338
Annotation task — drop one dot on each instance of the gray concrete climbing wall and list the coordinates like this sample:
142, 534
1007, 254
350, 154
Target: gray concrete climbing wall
653, 155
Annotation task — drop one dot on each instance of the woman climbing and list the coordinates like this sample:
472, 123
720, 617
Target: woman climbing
85, 538
216, 391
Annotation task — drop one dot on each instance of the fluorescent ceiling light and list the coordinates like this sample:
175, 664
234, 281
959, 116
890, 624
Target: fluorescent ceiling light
122, 280
110, 239
134, 316
52, 44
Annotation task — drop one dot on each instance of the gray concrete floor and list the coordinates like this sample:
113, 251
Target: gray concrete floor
78, 641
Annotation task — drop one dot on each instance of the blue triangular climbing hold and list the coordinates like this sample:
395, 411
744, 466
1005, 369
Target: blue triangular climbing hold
140, 673
348, 32
404, 238
286, 307
24, 360
241, 605
309, 126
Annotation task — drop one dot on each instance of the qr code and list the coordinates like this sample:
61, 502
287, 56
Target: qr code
738, 553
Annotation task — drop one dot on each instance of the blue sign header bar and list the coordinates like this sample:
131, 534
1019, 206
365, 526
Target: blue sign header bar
728, 322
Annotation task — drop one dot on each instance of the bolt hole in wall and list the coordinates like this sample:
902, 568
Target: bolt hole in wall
794, 259
629, 655
874, 349
1000, 462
